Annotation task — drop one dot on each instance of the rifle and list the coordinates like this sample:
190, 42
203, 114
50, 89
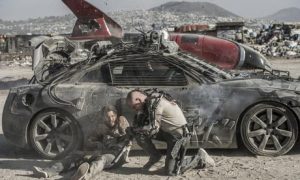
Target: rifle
123, 150
180, 150
130, 134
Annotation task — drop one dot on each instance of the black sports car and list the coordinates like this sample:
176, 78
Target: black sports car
55, 113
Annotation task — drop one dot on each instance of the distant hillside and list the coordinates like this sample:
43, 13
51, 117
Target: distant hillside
288, 14
41, 25
202, 8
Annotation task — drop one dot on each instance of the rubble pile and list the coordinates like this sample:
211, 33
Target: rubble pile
24, 61
278, 40
286, 48
14, 60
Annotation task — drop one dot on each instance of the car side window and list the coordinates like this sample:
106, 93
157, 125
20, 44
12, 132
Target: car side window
147, 73
98, 75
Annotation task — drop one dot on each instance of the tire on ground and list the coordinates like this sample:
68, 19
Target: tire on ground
279, 113
54, 139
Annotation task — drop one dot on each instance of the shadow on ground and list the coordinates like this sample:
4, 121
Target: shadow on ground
13, 158
134, 170
9, 151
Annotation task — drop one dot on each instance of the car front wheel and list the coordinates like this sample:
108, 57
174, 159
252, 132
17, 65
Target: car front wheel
269, 129
53, 134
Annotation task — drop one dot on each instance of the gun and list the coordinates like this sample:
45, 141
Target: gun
130, 134
123, 150
180, 150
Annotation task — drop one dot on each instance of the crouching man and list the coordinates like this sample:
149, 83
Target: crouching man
109, 145
159, 117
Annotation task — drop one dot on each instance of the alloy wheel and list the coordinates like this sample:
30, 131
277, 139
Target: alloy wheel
53, 134
269, 130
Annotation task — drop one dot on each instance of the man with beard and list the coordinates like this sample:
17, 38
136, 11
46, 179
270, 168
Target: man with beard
159, 117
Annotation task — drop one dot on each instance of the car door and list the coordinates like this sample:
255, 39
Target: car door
200, 102
142, 74
94, 81
203, 105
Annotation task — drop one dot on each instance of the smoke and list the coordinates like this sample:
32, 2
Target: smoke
215, 109
204, 99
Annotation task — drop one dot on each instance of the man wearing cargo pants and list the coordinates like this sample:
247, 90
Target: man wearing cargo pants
111, 143
162, 119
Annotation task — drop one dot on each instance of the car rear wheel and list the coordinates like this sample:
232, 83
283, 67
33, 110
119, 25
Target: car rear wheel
53, 134
269, 129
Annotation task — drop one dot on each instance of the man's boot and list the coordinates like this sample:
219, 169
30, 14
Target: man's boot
207, 161
199, 161
81, 171
48, 172
40, 172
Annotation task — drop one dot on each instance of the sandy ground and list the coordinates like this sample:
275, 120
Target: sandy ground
16, 164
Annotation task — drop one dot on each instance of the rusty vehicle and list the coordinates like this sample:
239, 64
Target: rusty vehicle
75, 77
54, 114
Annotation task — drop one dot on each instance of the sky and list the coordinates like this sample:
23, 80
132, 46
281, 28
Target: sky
24, 9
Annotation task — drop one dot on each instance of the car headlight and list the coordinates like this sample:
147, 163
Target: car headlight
27, 99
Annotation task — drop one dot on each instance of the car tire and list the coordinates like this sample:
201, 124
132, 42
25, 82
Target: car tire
54, 134
269, 129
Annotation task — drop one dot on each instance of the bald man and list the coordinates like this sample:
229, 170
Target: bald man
168, 125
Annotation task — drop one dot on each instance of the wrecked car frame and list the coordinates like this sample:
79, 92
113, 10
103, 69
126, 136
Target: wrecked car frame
56, 115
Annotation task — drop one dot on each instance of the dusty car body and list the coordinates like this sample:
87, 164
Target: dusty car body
55, 113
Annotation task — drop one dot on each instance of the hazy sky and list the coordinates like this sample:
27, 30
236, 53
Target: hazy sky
24, 9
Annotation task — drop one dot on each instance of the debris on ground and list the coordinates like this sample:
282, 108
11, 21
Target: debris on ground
278, 40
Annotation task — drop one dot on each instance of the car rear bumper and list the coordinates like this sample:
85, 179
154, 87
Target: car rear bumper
16, 139
15, 123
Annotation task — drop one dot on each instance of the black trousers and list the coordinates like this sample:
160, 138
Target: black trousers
148, 146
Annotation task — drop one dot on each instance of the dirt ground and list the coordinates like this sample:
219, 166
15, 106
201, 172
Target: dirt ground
16, 164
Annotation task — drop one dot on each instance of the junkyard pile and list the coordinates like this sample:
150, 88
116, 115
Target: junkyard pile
15, 59
278, 40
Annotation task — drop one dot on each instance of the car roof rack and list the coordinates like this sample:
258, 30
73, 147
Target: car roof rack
203, 66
